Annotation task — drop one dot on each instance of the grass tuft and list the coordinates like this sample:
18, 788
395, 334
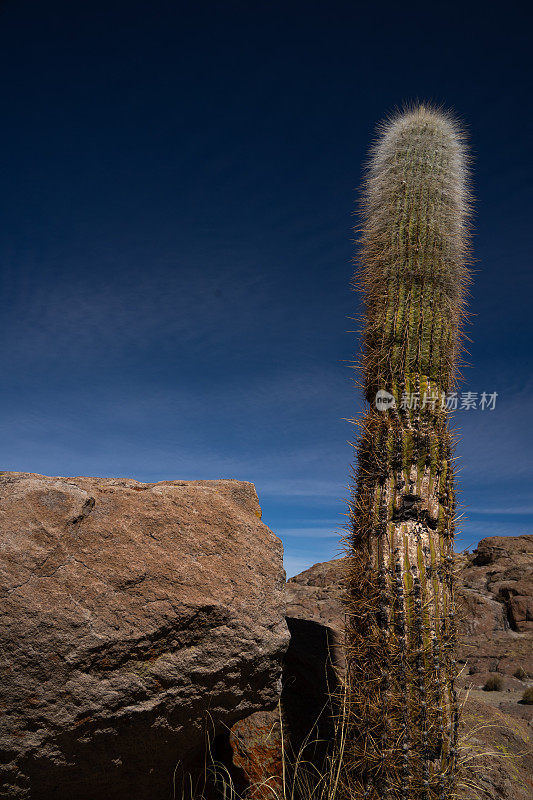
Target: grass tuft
493, 684
527, 697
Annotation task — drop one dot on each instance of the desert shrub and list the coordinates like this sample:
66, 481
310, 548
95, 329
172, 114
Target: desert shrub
520, 673
493, 684
527, 697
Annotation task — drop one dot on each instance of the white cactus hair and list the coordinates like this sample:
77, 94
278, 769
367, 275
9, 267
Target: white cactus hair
451, 137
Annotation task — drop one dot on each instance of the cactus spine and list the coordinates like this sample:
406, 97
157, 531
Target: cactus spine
400, 630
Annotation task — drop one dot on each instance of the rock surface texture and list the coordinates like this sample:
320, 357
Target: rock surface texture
491, 641
130, 611
497, 606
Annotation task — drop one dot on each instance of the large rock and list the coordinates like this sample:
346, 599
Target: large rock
133, 615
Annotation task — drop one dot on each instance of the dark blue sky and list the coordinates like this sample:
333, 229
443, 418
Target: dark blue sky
178, 189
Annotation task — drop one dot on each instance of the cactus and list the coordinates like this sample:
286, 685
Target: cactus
400, 627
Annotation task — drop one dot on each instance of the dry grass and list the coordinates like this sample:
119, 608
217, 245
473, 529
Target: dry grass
493, 684
478, 756
527, 697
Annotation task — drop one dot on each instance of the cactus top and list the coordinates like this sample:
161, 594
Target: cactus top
414, 249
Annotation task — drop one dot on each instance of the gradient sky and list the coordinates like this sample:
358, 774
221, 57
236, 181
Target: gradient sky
178, 190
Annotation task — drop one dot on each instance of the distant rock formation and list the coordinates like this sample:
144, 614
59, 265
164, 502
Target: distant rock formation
131, 614
496, 591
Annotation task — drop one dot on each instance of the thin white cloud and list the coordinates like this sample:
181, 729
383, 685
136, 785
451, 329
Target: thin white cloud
74, 318
304, 487
332, 524
488, 511
309, 533
494, 528
296, 564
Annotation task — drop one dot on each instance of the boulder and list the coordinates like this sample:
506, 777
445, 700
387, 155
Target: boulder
134, 616
520, 612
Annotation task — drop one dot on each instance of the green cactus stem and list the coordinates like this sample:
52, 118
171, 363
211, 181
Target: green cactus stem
400, 629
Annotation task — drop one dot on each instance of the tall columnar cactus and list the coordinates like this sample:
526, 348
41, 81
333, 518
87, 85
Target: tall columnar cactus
400, 630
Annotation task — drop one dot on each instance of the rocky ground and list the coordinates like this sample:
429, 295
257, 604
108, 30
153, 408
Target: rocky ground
495, 595
140, 621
